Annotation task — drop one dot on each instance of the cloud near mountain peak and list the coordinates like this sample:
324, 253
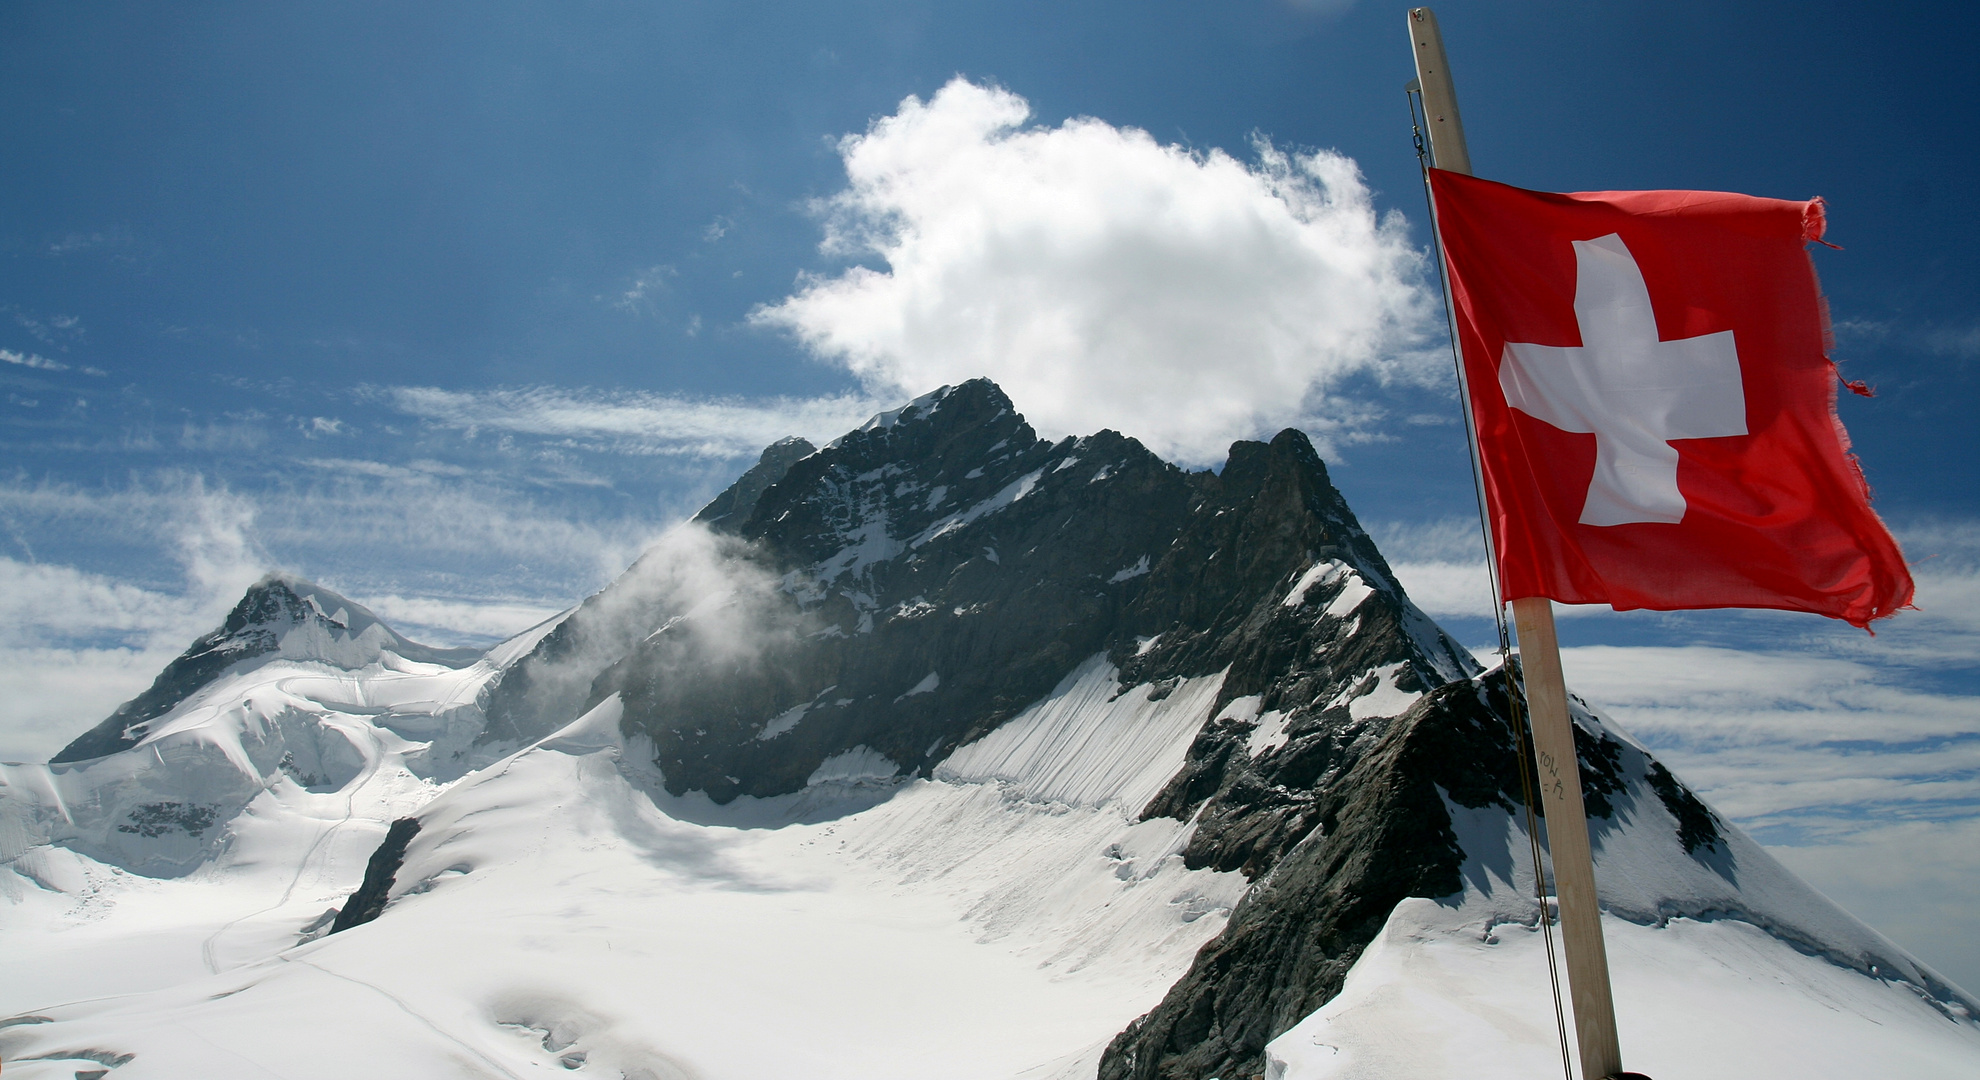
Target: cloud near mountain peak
1108, 281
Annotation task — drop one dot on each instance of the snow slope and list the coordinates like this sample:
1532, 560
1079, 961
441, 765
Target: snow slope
298, 732
1727, 965
1091, 742
1446, 992
553, 914
245, 816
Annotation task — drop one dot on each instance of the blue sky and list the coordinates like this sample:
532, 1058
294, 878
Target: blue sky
453, 307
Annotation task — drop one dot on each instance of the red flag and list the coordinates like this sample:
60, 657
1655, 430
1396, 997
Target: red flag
1654, 406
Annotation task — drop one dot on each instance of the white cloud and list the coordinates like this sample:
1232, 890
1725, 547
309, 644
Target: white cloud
1105, 280
633, 422
1441, 564
50, 696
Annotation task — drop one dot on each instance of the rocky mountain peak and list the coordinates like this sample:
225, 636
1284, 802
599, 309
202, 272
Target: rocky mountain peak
942, 567
896, 479
729, 510
279, 615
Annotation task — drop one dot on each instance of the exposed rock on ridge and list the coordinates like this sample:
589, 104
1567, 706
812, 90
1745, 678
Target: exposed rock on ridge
1348, 818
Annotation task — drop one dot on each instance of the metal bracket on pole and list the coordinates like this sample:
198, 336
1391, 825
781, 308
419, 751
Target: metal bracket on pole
1558, 763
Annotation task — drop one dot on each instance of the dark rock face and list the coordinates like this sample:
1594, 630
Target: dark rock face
368, 902
1698, 827
155, 819
267, 612
943, 567
732, 507
1338, 826
1348, 818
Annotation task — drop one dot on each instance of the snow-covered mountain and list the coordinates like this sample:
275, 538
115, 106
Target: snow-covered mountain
941, 750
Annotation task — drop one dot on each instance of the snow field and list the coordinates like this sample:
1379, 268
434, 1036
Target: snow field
73, 927
552, 915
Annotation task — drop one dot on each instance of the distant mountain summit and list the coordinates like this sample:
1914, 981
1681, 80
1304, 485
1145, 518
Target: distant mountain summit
298, 687
279, 615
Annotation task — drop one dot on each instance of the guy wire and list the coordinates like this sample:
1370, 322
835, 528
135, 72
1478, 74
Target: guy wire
1515, 695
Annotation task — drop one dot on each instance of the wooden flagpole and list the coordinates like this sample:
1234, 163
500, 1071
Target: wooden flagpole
1554, 754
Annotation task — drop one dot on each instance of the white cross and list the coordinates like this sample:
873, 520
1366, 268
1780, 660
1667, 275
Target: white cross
1632, 391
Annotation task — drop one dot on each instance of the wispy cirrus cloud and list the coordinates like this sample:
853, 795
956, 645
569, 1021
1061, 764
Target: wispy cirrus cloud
1959, 342
1796, 742
646, 286
54, 329
634, 422
1441, 564
41, 363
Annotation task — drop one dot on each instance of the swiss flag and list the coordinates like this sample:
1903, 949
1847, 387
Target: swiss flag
1654, 406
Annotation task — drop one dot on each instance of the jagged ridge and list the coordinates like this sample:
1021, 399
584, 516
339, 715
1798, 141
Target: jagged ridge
943, 568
